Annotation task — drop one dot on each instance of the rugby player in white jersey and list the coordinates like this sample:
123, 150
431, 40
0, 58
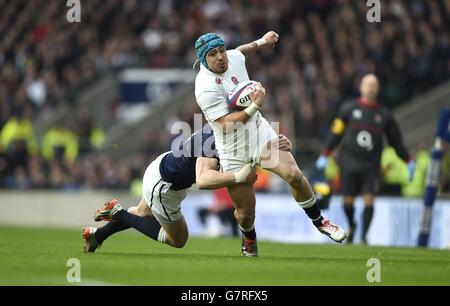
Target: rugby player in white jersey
242, 137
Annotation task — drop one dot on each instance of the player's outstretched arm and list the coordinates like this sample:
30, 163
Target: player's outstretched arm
335, 134
395, 140
207, 177
268, 40
333, 139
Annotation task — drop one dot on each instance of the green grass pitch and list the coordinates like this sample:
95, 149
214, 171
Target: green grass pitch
36, 256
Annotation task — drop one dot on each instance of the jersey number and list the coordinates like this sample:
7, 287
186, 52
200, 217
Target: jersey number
364, 139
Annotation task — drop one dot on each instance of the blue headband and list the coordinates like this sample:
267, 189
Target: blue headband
206, 43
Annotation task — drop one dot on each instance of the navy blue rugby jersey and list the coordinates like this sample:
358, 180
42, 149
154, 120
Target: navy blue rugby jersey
178, 167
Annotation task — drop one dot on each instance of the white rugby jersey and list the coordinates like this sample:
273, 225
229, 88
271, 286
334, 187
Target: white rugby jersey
211, 92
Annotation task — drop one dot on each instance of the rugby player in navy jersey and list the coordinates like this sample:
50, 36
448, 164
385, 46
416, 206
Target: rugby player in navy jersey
165, 185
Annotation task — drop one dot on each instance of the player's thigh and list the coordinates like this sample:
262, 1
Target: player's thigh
243, 196
143, 209
152, 181
177, 232
166, 207
350, 184
281, 163
370, 185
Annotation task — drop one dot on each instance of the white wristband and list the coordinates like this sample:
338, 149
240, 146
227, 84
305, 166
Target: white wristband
251, 109
261, 42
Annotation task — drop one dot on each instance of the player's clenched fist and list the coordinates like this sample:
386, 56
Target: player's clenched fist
259, 95
271, 38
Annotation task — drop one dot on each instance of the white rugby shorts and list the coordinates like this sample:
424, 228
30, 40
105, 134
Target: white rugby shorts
164, 202
251, 152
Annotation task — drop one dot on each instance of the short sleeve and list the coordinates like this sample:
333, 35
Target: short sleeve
238, 54
213, 104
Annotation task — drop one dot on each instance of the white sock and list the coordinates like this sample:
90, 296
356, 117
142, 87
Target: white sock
317, 218
132, 209
162, 237
247, 230
308, 203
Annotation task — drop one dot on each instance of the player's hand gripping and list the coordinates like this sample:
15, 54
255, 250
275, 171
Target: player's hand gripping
259, 95
247, 174
282, 143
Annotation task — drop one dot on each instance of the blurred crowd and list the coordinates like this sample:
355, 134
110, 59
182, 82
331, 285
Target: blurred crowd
68, 157
325, 47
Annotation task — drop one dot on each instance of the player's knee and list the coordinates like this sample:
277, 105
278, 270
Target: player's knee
294, 177
368, 204
368, 200
180, 243
348, 201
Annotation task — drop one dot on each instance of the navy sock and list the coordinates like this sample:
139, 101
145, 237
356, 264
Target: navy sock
250, 234
148, 226
367, 218
349, 212
109, 229
314, 214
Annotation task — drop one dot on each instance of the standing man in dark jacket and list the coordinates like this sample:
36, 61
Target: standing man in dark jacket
360, 126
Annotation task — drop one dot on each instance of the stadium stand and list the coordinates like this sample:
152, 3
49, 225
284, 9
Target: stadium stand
327, 46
